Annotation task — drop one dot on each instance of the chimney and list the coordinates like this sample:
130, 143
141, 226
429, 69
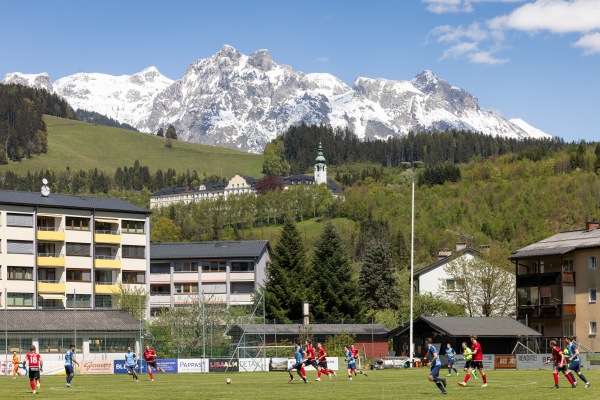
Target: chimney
461, 246
443, 253
591, 225
305, 313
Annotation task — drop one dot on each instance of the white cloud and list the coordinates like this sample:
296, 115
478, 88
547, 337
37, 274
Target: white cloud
458, 6
448, 34
322, 59
590, 43
459, 50
486, 57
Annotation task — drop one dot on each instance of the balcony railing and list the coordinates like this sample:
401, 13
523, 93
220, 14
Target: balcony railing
102, 257
49, 228
107, 231
545, 279
547, 311
54, 255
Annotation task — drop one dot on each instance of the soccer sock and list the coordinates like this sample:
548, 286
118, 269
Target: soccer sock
572, 376
571, 381
473, 373
150, 373
325, 372
556, 378
439, 385
583, 378
484, 376
319, 374
467, 377
32, 384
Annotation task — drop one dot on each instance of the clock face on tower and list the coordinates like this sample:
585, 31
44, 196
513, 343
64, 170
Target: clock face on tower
45, 189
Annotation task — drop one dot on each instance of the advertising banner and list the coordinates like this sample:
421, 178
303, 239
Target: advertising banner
505, 361
119, 367
254, 364
533, 361
6, 368
168, 364
488, 361
190, 365
101, 367
590, 360
56, 368
332, 363
223, 365
278, 364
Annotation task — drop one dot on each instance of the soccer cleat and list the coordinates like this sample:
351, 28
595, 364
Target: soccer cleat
463, 384
152, 380
574, 386
350, 378
444, 392
484, 385
136, 380
318, 379
449, 375
330, 376
475, 377
575, 383
291, 381
556, 387
457, 374
334, 374
34, 392
68, 385
444, 382
587, 385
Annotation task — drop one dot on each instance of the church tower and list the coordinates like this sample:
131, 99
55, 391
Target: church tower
320, 167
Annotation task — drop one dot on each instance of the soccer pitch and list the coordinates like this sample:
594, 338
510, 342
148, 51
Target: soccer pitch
387, 384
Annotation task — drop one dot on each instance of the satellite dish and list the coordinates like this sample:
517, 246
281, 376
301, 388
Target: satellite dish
45, 189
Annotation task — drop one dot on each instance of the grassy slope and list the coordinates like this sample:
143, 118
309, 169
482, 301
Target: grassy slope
79, 145
388, 384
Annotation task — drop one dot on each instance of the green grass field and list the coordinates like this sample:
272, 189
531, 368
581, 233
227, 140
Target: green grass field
79, 145
388, 384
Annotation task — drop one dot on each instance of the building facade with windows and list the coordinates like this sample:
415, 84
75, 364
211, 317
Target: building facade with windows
557, 285
61, 251
217, 272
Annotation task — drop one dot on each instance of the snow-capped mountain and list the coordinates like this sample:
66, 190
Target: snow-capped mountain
240, 101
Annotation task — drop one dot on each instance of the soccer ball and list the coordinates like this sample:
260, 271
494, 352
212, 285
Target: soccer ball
228, 381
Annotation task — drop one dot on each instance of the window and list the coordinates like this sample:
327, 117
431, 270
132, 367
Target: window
79, 275
183, 288
49, 304
103, 301
47, 250
191, 266
134, 277
242, 266
78, 249
592, 296
20, 273
242, 287
59, 345
19, 220
110, 345
82, 300
134, 252
213, 266
77, 223
568, 265
160, 290
19, 299
210, 288
132, 226
104, 277
569, 328
450, 285
592, 262
19, 247
568, 296
160, 269
528, 296
593, 328
47, 275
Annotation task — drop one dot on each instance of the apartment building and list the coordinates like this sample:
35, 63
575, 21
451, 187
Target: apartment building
61, 251
557, 284
217, 272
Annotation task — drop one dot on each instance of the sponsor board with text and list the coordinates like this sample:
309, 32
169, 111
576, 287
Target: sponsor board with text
101, 367
190, 365
223, 365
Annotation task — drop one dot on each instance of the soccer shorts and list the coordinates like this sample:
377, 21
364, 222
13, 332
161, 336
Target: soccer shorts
477, 365
130, 369
435, 370
296, 366
34, 373
352, 365
322, 364
151, 364
69, 369
311, 362
560, 368
468, 364
450, 362
575, 366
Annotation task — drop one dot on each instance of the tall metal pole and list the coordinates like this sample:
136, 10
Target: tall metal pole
5, 324
75, 320
412, 260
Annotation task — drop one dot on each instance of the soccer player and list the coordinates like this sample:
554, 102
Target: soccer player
351, 361
310, 355
131, 363
451, 354
476, 362
355, 355
150, 357
322, 363
69, 361
574, 364
560, 364
566, 353
436, 365
468, 358
16, 365
35, 367
299, 356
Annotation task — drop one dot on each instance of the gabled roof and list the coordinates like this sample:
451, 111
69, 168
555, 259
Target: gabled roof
317, 329
446, 260
466, 326
245, 248
67, 320
560, 244
55, 200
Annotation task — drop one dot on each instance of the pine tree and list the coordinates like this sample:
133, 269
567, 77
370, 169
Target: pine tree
597, 162
285, 289
377, 284
171, 133
333, 294
160, 133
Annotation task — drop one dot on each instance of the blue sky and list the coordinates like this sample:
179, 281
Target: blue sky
536, 60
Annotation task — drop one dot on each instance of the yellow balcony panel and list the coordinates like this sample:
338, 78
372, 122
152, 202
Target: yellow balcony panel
43, 261
110, 264
54, 236
46, 287
106, 289
106, 238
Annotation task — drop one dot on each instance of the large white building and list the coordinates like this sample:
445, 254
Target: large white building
59, 251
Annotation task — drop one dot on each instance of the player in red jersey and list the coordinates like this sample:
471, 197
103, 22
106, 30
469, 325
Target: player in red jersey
310, 355
322, 363
354, 352
150, 357
476, 362
560, 364
35, 367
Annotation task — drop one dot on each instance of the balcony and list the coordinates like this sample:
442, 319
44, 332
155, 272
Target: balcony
51, 287
107, 236
106, 288
107, 262
50, 260
546, 279
50, 234
547, 311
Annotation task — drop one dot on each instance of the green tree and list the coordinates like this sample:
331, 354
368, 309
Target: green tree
132, 299
165, 230
597, 161
171, 133
285, 290
274, 159
377, 284
160, 132
333, 294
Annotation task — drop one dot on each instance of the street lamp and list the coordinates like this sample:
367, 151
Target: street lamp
412, 165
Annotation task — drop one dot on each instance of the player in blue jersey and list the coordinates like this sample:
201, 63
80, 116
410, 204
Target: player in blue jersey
299, 356
351, 361
435, 363
574, 362
131, 363
70, 363
450, 353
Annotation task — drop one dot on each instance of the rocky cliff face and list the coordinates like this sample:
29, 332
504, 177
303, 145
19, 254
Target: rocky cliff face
239, 101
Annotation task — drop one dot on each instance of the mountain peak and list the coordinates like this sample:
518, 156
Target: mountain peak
229, 52
261, 59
